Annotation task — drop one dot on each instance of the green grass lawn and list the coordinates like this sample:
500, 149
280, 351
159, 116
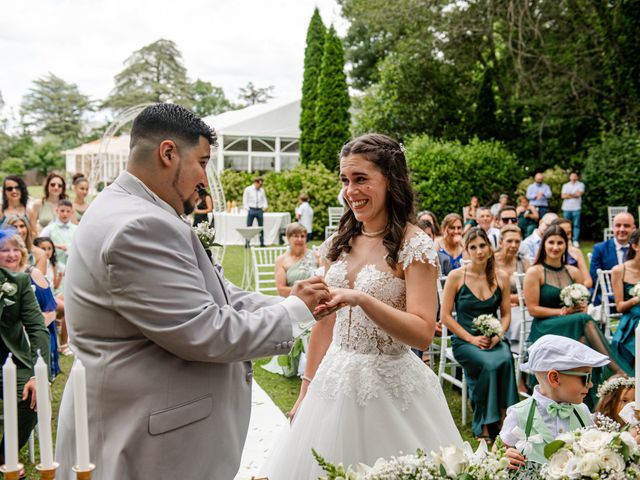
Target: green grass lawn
283, 391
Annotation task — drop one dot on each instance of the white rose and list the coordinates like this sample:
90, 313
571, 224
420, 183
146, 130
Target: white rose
594, 440
613, 460
567, 438
558, 463
453, 460
576, 294
590, 464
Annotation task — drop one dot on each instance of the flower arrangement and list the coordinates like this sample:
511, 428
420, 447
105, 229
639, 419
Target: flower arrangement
205, 234
592, 452
488, 325
8, 289
575, 295
614, 383
635, 290
450, 463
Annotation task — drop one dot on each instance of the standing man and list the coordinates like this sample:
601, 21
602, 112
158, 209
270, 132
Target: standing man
304, 214
255, 201
165, 339
572, 204
612, 252
539, 194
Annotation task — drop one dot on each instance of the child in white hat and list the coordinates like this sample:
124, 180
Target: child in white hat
562, 367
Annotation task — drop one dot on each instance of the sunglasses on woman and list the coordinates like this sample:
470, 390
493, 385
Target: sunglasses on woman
11, 189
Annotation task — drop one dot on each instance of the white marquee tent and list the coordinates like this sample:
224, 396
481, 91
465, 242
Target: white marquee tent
260, 137
79, 159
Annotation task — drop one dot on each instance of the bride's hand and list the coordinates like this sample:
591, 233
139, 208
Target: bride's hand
344, 297
323, 310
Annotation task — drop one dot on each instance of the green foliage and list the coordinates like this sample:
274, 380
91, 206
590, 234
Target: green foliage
333, 121
12, 166
46, 155
208, 99
284, 188
153, 74
312, 67
447, 174
554, 177
55, 107
252, 95
610, 174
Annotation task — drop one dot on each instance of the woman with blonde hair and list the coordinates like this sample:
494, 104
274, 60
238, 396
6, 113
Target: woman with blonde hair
451, 243
36, 256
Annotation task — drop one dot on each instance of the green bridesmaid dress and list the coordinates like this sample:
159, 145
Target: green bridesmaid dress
624, 338
490, 373
578, 326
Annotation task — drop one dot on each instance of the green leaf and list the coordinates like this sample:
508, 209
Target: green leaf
552, 447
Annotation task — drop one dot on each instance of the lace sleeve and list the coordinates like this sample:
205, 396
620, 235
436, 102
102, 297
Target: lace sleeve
323, 249
419, 247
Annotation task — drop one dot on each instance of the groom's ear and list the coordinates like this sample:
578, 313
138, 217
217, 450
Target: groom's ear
167, 153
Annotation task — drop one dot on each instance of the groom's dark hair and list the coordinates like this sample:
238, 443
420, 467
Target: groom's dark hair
170, 121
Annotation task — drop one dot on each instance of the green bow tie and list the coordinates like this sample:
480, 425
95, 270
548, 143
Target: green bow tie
562, 410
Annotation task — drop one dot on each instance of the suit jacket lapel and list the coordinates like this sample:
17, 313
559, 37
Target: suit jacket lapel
612, 252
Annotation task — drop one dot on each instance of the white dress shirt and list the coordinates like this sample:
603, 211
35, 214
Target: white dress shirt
254, 198
619, 252
530, 246
306, 216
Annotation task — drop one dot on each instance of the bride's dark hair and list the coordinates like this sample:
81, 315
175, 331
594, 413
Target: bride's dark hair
388, 157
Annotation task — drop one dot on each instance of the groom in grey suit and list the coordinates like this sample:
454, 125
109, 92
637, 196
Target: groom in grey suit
165, 340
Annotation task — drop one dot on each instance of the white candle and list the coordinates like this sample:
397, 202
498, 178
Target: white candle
638, 368
10, 407
44, 414
82, 424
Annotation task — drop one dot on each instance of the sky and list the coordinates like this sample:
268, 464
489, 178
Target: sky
226, 42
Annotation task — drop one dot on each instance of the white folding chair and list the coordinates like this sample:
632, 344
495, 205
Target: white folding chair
607, 234
330, 230
607, 317
217, 254
527, 321
612, 212
448, 361
264, 262
335, 214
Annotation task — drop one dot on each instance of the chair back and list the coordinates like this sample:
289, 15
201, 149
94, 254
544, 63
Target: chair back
264, 262
335, 214
217, 254
608, 315
330, 230
612, 212
607, 234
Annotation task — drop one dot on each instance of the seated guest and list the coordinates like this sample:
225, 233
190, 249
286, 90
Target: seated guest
297, 263
506, 216
22, 334
36, 257
527, 216
485, 222
623, 278
502, 202
14, 258
510, 261
427, 215
15, 201
563, 368
614, 394
531, 244
543, 283
478, 289
469, 213
445, 262
451, 242
575, 256
610, 253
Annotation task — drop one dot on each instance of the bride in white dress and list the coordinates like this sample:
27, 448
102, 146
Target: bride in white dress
364, 394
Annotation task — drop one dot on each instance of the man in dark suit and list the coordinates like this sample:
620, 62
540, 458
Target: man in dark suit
22, 333
610, 253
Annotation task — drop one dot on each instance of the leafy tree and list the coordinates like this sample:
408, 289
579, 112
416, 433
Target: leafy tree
208, 99
251, 95
55, 107
153, 74
333, 121
12, 166
312, 67
46, 155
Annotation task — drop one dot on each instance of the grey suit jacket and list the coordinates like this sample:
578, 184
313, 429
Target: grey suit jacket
165, 341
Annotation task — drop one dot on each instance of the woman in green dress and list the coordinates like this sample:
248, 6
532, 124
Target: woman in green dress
479, 289
542, 286
623, 278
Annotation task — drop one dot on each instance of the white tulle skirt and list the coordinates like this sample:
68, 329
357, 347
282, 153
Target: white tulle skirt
361, 407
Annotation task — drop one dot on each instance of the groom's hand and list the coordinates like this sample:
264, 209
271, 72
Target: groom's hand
312, 292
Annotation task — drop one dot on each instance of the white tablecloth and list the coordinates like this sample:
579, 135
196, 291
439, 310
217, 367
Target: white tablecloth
226, 224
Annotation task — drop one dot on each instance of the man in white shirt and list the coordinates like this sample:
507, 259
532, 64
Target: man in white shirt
531, 244
255, 201
572, 204
484, 219
304, 214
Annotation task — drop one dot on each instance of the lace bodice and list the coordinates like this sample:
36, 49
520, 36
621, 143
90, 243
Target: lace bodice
353, 329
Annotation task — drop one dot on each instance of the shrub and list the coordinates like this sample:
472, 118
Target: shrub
611, 171
284, 188
554, 177
12, 166
447, 174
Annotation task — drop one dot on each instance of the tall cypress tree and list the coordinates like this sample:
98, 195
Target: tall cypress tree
312, 65
333, 121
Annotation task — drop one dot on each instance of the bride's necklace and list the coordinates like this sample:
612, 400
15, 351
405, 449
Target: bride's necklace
377, 233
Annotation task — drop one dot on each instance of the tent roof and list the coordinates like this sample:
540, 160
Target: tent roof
118, 144
277, 118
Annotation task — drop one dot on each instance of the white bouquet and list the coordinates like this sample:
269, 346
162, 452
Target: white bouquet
592, 452
205, 234
575, 295
635, 290
488, 325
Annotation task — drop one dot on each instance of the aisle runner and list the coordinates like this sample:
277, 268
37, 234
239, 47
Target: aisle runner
266, 422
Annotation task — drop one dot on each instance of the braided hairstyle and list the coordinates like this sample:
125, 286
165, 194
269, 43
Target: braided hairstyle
388, 156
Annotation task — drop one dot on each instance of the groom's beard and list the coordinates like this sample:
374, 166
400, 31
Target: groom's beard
188, 204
